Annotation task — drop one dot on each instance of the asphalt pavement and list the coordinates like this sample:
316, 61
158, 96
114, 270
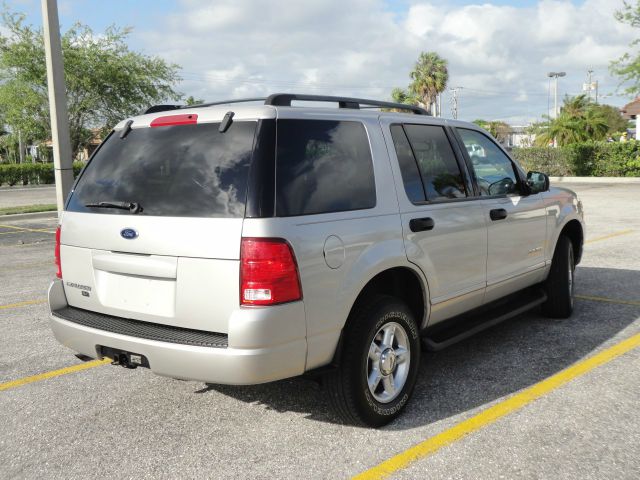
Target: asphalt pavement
107, 421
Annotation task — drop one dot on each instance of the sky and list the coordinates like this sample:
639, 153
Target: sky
499, 52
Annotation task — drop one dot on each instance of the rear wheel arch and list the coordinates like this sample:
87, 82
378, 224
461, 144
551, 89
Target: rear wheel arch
400, 282
573, 231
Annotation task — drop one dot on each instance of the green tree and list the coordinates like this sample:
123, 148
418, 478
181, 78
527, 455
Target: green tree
191, 101
574, 106
595, 124
615, 122
105, 81
627, 67
429, 78
400, 95
497, 128
579, 120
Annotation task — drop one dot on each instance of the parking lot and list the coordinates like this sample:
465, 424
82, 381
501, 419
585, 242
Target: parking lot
97, 420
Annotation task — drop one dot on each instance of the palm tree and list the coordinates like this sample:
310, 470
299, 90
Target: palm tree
575, 106
579, 121
595, 124
400, 95
430, 76
564, 130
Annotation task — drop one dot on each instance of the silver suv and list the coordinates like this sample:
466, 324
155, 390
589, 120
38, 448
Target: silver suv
238, 243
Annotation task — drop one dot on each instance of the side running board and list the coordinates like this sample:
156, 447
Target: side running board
469, 324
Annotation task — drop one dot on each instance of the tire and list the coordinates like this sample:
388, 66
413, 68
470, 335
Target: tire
381, 343
559, 285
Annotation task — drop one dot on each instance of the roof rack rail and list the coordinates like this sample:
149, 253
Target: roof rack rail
237, 100
284, 100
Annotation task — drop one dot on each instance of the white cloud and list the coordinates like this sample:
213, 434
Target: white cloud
499, 54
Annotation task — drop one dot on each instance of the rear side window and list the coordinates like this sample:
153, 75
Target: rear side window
439, 169
323, 166
174, 171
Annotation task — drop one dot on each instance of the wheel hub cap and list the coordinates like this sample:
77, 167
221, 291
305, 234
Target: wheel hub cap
387, 361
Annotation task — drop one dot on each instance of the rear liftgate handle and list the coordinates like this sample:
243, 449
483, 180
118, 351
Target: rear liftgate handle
421, 224
498, 214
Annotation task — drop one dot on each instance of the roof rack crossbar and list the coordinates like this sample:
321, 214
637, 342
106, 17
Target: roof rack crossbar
285, 99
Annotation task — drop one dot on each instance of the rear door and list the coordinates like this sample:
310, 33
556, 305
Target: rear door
516, 222
173, 257
443, 225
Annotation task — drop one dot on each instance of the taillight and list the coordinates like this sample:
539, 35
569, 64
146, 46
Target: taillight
57, 253
268, 272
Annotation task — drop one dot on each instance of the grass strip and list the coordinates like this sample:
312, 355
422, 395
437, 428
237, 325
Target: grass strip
41, 207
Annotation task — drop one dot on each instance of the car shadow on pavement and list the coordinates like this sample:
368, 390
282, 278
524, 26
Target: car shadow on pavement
493, 364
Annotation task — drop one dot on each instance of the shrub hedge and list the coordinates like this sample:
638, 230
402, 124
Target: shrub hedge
591, 159
31, 173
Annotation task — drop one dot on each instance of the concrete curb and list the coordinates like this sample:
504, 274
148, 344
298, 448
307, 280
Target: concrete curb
596, 179
28, 216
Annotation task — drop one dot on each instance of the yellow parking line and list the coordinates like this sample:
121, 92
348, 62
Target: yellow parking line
617, 234
25, 229
608, 300
494, 413
54, 373
23, 304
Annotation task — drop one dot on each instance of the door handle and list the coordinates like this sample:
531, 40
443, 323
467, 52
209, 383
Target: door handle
421, 224
498, 214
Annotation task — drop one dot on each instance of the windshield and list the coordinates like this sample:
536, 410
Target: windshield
174, 171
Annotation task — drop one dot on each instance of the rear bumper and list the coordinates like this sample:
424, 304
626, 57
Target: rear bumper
258, 361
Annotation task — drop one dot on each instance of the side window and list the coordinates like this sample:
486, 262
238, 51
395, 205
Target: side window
408, 166
494, 171
439, 169
323, 166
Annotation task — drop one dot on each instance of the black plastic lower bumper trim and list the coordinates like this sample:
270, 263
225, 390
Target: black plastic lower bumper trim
140, 329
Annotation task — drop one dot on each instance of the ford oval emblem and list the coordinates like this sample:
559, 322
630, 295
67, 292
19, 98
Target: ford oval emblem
129, 233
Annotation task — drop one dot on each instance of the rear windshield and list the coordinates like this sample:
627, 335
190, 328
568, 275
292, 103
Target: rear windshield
174, 171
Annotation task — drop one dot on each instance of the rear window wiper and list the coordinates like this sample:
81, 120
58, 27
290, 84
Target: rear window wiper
133, 207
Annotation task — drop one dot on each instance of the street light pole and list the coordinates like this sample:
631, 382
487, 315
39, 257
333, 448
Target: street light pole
62, 161
555, 76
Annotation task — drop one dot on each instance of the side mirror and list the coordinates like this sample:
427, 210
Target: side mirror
537, 182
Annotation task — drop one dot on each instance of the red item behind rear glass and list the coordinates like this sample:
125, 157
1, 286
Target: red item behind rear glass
168, 120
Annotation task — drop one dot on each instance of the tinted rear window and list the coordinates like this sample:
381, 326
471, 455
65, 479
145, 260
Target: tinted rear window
175, 171
408, 166
441, 175
323, 166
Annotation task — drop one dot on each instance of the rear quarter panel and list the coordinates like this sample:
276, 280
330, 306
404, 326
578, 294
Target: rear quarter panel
366, 243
